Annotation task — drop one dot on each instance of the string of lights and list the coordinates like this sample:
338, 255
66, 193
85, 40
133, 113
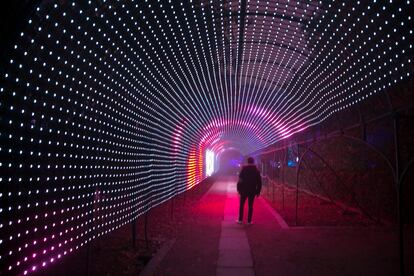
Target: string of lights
110, 108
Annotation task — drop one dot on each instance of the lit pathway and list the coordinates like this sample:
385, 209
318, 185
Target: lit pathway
210, 242
234, 250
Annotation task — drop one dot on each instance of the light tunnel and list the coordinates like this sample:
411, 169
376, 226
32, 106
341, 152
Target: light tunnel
110, 108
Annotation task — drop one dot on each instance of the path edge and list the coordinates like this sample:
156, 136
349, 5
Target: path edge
151, 267
275, 214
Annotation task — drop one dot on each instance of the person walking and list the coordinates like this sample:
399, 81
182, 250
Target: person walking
248, 186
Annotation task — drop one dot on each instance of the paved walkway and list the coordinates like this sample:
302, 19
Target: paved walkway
234, 251
211, 243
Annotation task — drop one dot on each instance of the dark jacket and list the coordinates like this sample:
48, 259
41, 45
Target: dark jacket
250, 181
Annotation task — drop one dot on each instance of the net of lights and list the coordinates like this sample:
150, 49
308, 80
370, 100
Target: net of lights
109, 108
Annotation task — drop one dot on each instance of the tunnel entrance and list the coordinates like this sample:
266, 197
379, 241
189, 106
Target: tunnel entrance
229, 162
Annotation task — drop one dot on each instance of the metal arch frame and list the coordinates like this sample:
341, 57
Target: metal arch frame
308, 149
318, 181
339, 131
273, 15
395, 170
387, 161
262, 80
401, 180
279, 44
276, 64
405, 172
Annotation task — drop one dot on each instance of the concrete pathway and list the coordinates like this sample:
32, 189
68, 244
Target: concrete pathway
195, 251
212, 243
234, 250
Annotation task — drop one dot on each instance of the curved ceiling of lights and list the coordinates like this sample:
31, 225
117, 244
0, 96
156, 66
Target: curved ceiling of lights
108, 107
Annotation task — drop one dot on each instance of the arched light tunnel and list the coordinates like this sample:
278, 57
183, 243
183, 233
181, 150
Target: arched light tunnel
134, 102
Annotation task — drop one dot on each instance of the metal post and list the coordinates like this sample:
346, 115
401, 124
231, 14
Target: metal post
364, 131
172, 207
282, 168
274, 178
145, 230
399, 194
297, 200
89, 243
273, 190
88, 250
134, 232
268, 180
297, 188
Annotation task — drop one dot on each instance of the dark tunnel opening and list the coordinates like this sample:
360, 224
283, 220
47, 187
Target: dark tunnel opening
229, 162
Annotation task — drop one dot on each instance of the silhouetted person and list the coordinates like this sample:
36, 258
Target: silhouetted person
248, 186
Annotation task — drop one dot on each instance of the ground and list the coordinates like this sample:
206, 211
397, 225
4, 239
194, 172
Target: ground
200, 229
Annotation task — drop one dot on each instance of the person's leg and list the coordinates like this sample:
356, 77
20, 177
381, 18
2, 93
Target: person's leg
250, 214
242, 201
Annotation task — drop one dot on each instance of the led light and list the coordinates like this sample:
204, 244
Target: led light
210, 160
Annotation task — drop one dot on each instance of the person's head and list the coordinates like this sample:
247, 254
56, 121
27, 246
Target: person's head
250, 160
